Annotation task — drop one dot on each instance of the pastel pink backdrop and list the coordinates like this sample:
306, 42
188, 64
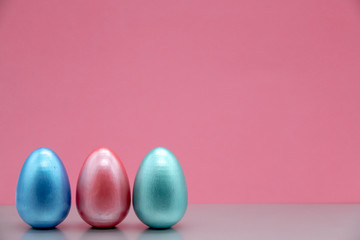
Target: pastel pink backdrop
259, 100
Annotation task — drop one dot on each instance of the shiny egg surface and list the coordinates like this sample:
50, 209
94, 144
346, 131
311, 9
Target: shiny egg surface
103, 191
160, 191
43, 196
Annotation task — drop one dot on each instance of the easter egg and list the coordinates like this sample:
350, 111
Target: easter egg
43, 196
160, 192
103, 191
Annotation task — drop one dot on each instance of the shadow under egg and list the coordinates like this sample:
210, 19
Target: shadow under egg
43, 234
160, 234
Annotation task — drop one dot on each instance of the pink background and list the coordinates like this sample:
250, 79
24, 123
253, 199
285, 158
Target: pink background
259, 100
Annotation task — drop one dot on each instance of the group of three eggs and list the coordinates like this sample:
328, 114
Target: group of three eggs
43, 196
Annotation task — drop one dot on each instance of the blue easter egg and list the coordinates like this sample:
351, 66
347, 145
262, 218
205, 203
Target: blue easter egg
160, 191
43, 196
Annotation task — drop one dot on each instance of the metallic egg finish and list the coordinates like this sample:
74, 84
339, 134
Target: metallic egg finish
103, 192
43, 196
160, 191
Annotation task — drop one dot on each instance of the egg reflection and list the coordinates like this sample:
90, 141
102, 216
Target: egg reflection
43, 234
103, 234
160, 234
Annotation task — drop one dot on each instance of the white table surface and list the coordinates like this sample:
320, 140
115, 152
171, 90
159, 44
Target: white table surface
241, 221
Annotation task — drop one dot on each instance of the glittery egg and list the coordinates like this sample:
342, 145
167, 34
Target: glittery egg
43, 196
160, 191
103, 191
